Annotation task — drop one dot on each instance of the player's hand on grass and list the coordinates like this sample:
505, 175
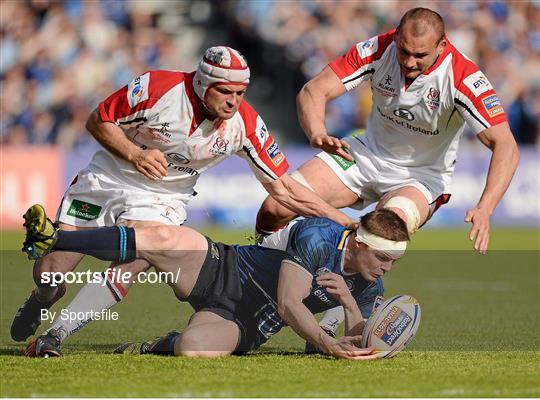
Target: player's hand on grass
479, 233
331, 145
345, 347
336, 286
151, 163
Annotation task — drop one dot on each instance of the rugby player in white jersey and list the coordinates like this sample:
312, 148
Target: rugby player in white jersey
424, 92
159, 133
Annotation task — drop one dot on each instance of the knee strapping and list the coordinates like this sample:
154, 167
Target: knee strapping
408, 207
298, 177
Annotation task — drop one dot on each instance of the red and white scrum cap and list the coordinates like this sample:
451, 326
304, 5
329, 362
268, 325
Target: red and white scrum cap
220, 64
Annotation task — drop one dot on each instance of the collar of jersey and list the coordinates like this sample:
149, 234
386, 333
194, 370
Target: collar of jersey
199, 114
342, 246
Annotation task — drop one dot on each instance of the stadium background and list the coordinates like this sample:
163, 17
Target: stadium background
58, 59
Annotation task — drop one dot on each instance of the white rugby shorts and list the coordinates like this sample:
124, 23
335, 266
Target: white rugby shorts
371, 177
95, 200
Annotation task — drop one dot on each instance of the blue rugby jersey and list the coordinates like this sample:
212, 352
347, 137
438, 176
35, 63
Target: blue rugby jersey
315, 245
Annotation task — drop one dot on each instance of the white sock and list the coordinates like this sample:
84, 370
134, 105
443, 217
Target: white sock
93, 297
332, 319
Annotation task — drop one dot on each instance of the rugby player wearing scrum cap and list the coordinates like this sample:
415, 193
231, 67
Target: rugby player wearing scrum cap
159, 133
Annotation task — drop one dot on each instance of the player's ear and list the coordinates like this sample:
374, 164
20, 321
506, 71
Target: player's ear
359, 245
441, 46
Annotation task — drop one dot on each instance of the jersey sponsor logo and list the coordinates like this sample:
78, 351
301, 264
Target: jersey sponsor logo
261, 131
178, 158
350, 284
393, 325
275, 154
83, 210
153, 135
478, 83
344, 164
138, 90
407, 125
181, 168
322, 295
368, 48
403, 113
492, 104
385, 86
433, 98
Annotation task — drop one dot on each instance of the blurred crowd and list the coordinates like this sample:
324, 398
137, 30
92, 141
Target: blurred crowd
502, 37
58, 59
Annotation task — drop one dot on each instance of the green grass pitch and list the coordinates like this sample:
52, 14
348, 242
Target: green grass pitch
479, 335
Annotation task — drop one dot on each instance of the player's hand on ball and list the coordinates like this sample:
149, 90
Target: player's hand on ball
331, 145
480, 230
336, 286
151, 163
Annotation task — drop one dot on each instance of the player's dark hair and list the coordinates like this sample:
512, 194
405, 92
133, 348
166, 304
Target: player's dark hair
423, 19
386, 224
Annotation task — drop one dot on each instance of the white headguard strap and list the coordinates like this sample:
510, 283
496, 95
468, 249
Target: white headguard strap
220, 64
380, 243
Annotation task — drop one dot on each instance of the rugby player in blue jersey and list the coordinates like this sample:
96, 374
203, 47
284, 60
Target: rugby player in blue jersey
243, 295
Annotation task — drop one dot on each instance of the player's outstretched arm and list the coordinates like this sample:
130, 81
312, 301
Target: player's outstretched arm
311, 104
336, 286
293, 286
302, 201
504, 162
150, 162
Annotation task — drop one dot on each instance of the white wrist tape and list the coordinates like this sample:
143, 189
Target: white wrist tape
380, 243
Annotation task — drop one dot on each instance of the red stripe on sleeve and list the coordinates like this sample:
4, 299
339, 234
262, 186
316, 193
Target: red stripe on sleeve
487, 103
350, 62
116, 106
269, 154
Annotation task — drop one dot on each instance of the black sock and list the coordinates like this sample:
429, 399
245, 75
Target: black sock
116, 243
165, 345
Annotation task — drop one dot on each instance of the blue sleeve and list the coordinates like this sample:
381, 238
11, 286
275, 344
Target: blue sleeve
366, 298
311, 244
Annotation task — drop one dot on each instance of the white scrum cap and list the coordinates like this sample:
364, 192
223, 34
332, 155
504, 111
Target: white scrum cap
220, 64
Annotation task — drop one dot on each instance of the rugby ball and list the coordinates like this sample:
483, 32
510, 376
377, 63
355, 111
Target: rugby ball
392, 325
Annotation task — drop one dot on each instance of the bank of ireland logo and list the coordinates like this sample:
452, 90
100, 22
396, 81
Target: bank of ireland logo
178, 158
403, 113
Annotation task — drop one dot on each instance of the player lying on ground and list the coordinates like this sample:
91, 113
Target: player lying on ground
242, 295
424, 93
159, 133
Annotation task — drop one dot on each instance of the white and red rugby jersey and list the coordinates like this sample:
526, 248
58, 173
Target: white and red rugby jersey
160, 110
419, 126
